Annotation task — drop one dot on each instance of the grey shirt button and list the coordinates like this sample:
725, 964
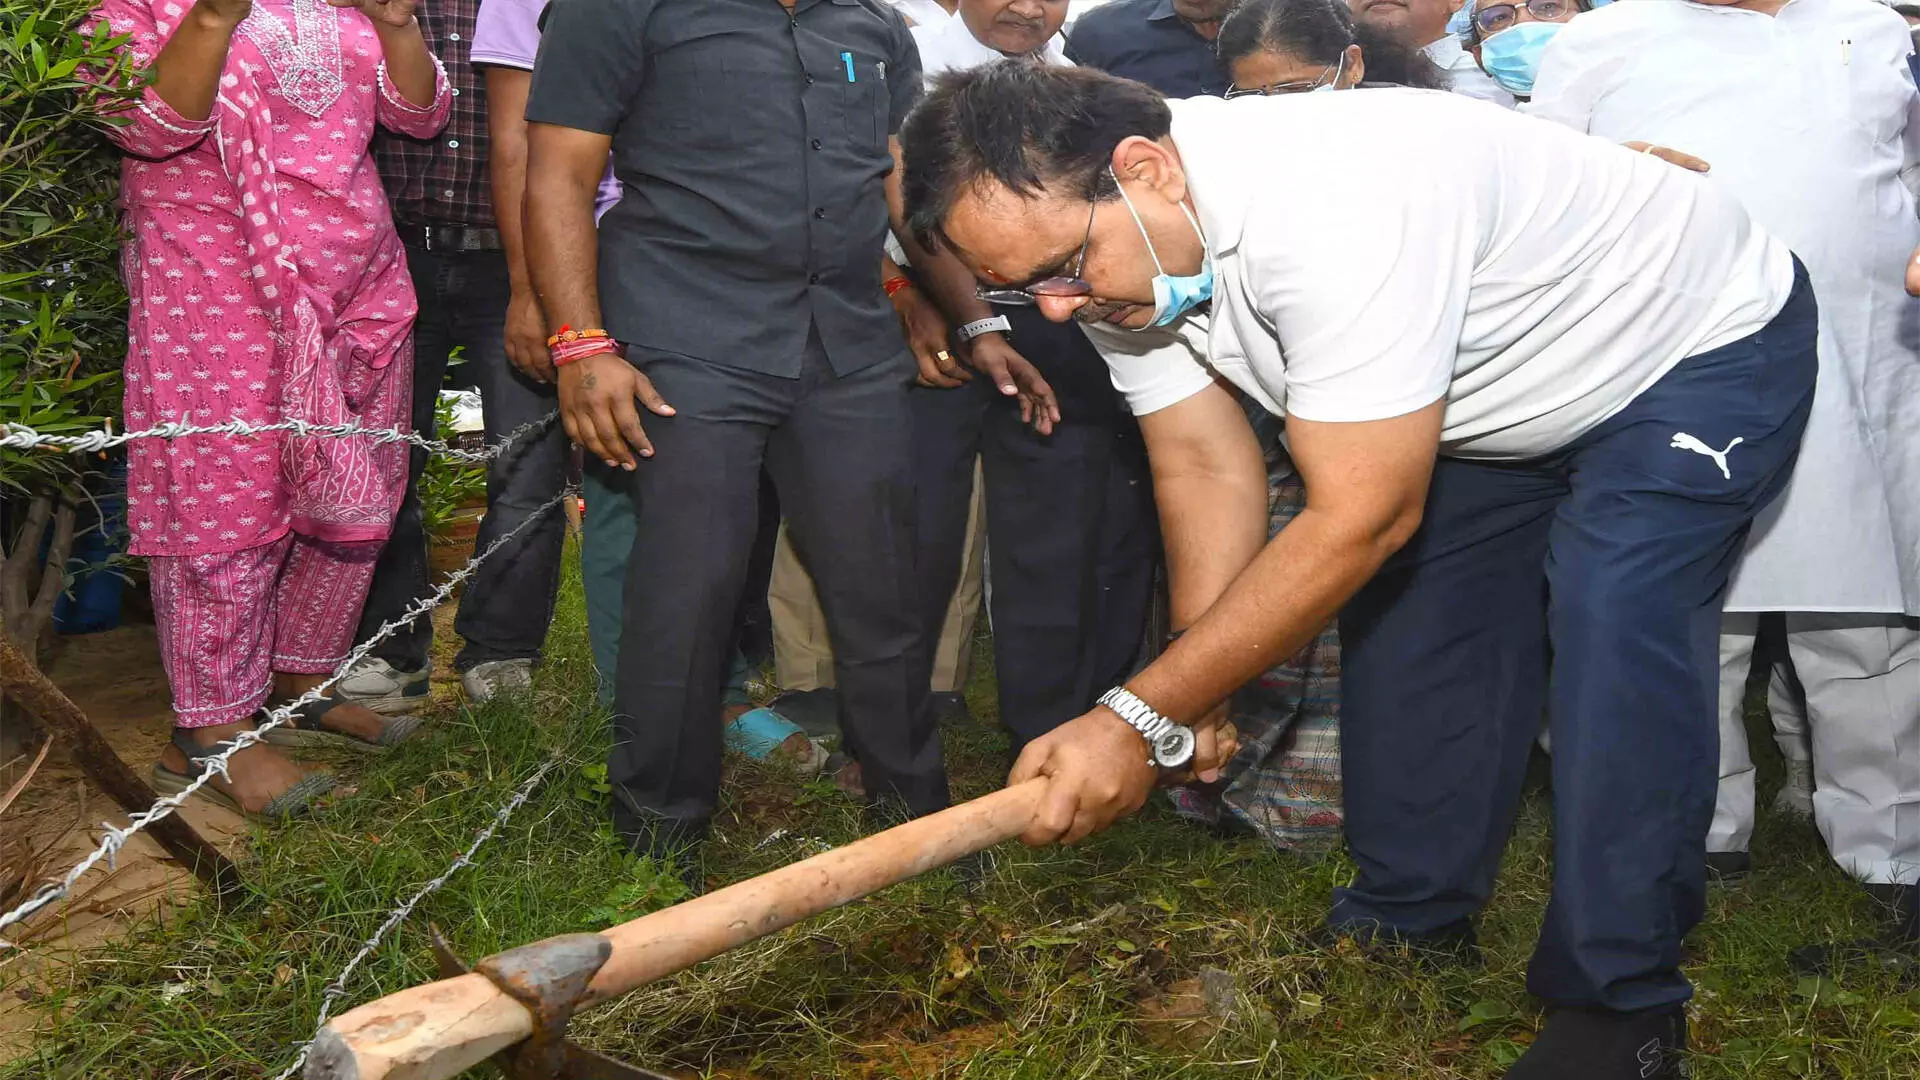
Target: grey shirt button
453, 144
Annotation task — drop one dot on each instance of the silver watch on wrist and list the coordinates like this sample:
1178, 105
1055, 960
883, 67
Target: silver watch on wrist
1171, 744
983, 326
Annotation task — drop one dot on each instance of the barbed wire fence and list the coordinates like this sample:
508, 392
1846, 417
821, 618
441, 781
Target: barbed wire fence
337, 989
18, 437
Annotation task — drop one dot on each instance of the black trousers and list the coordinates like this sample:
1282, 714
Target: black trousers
1070, 526
839, 452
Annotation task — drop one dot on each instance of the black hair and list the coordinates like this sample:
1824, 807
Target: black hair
1024, 125
1318, 31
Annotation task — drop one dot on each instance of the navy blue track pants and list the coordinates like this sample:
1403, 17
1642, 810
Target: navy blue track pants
1585, 587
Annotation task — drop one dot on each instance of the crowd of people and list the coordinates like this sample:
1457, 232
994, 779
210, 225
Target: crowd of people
1324, 458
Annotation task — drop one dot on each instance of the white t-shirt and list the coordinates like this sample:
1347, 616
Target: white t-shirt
1377, 250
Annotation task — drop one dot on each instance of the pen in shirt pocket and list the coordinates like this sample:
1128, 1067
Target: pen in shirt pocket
847, 59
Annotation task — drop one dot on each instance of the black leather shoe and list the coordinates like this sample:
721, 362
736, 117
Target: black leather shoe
1599, 1044
1895, 951
1727, 866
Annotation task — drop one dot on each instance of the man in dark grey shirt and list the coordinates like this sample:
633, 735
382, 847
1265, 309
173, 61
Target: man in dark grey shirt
755, 142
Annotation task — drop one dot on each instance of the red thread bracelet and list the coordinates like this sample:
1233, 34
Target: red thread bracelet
568, 352
893, 285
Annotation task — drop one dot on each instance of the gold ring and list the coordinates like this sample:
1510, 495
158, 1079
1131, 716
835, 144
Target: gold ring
943, 356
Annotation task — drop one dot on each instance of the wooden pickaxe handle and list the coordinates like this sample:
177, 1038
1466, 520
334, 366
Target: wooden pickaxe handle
436, 1031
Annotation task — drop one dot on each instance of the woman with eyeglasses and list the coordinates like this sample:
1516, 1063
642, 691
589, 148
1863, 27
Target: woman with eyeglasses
1507, 39
1295, 46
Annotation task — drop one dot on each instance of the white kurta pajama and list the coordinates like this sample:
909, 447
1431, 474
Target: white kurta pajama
1810, 117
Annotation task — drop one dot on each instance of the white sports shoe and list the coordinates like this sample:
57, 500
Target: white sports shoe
384, 688
484, 682
1795, 796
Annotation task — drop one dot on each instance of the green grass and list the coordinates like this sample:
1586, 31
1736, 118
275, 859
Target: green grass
1045, 972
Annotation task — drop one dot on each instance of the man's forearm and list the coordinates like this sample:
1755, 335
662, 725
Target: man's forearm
561, 244
947, 282
1270, 611
507, 165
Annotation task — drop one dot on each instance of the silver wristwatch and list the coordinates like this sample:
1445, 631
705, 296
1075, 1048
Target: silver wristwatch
1170, 743
983, 326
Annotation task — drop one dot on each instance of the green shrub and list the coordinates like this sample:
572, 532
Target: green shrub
62, 307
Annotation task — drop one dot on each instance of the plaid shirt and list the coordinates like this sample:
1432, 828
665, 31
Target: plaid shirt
443, 180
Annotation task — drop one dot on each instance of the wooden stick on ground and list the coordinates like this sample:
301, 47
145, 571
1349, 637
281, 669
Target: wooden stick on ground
436, 1031
28, 685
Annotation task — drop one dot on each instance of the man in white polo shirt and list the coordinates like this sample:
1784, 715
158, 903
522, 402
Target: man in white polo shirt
1537, 407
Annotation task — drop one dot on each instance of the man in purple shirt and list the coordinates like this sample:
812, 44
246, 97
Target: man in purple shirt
442, 207
506, 37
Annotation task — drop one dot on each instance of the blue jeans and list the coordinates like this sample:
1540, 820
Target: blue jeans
1587, 586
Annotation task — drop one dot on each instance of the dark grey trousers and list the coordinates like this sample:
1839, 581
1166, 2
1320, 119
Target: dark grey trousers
839, 450
509, 600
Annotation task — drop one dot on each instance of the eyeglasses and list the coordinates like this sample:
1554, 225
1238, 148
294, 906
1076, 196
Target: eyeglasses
1069, 285
1291, 87
1491, 20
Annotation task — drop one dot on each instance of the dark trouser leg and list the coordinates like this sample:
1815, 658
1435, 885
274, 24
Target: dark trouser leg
700, 495
1442, 690
401, 577
1046, 528
946, 440
1638, 561
606, 540
508, 602
1129, 546
843, 462
1066, 525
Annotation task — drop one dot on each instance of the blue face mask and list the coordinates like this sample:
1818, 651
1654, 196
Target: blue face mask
1172, 296
1512, 56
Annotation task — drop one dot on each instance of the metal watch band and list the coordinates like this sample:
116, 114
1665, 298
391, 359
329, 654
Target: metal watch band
1138, 714
984, 326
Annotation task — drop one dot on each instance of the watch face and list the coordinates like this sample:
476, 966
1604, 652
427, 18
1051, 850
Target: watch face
1174, 749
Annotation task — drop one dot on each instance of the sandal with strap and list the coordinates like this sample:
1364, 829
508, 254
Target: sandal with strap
294, 802
303, 730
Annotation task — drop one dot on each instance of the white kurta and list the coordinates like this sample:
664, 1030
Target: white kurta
1808, 117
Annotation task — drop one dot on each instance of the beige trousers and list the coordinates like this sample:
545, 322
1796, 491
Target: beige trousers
802, 654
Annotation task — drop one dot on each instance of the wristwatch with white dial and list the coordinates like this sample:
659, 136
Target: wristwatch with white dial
1171, 744
983, 326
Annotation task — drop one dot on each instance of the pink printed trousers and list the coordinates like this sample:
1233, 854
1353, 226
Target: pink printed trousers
228, 621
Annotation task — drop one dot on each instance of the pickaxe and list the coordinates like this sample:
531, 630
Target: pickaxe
527, 995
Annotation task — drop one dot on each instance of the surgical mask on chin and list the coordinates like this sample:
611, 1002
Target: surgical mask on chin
1172, 296
1512, 56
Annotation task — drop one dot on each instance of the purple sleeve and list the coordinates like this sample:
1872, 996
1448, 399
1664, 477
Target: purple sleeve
507, 33
609, 193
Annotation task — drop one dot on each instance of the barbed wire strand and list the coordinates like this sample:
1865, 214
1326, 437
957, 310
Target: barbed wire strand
22, 437
337, 989
115, 838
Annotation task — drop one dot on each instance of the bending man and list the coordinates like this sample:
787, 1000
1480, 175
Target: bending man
1542, 405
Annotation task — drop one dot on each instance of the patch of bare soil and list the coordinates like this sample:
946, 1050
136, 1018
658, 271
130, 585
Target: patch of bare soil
116, 678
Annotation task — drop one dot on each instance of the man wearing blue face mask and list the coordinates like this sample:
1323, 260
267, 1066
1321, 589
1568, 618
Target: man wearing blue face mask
1536, 411
1507, 39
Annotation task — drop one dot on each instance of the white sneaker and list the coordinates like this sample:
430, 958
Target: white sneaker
1795, 796
484, 682
384, 688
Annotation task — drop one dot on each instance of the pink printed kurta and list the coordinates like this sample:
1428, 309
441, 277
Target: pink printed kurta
266, 282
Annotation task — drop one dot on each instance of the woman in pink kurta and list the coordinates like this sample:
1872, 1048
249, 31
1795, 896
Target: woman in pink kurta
266, 283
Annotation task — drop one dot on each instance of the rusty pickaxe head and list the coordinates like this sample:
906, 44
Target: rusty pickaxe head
548, 978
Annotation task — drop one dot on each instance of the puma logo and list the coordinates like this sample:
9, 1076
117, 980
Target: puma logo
1649, 1057
1684, 441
